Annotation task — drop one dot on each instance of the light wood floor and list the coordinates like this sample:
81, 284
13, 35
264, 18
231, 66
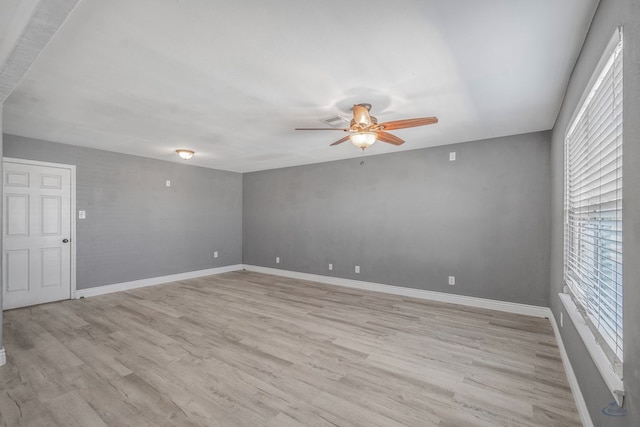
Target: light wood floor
248, 349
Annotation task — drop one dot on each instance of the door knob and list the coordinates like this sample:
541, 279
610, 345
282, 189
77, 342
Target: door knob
65, 240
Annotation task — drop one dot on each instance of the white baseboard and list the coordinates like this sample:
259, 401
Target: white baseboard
125, 286
509, 307
583, 411
3, 356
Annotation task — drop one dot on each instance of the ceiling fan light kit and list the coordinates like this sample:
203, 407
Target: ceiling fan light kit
185, 154
363, 139
365, 130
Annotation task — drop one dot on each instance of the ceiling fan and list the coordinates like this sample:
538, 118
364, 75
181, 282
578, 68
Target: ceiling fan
365, 130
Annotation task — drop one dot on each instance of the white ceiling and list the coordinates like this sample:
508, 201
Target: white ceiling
231, 79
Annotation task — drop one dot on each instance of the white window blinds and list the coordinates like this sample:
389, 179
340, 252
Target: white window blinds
593, 202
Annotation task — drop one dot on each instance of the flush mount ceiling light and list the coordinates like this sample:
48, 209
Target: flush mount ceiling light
185, 154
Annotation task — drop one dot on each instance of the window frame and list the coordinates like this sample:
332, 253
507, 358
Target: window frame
608, 362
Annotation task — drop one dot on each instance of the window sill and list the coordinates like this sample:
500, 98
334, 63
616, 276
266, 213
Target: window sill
613, 381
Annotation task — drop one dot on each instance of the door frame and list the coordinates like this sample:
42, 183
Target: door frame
72, 169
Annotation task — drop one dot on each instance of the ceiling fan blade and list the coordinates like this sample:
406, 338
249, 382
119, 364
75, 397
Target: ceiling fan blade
361, 114
340, 141
408, 123
388, 138
342, 129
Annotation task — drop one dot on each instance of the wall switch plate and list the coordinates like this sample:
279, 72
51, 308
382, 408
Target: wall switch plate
357, 269
452, 156
215, 254
167, 183
330, 266
452, 280
277, 260
82, 214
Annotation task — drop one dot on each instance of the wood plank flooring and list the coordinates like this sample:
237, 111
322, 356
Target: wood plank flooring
248, 349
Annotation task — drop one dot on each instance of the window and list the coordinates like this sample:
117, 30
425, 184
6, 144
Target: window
593, 204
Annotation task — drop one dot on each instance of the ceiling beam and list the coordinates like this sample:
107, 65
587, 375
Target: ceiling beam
32, 26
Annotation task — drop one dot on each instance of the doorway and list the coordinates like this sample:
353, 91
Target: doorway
38, 248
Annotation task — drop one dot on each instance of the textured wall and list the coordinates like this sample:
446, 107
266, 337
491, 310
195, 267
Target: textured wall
610, 14
138, 228
413, 218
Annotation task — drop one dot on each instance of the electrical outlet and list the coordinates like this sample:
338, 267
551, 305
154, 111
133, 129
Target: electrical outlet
452, 280
82, 214
357, 269
452, 156
277, 260
215, 254
330, 266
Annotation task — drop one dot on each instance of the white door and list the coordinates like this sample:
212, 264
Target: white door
36, 259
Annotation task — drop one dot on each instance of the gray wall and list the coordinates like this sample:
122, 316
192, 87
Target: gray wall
413, 218
136, 227
610, 14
